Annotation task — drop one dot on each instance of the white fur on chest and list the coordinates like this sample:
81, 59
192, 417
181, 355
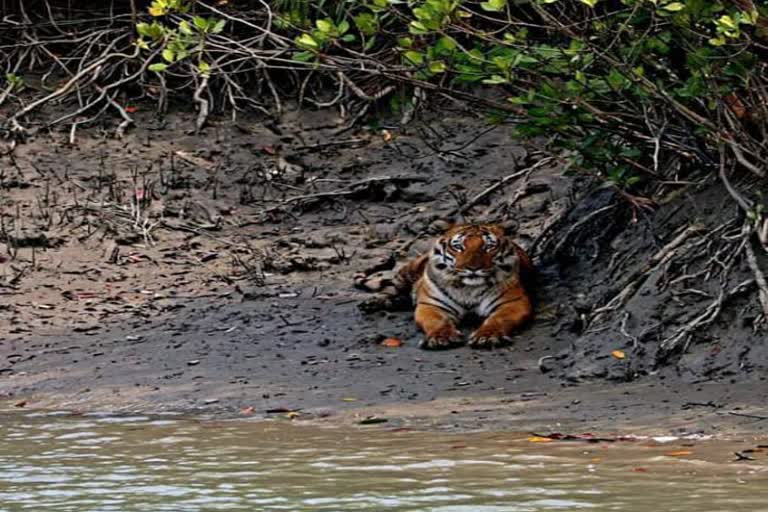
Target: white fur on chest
470, 299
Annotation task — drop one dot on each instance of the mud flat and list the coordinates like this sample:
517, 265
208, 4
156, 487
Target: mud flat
214, 273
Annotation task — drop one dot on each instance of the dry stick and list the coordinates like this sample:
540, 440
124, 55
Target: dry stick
580, 223
360, 93
127, 120
350, 189
745, 415
743, 202
65, 88
104, 91
503, 181
709, 315
640, 276
284, 41
737, 151
748, 230
762, 284
202, 114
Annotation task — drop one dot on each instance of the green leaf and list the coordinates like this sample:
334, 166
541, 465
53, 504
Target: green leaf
494, 5
717, 41
204, 67
143, 29
304, 56
405, 42
158, 67
168, 55
154, 31
590, 3
185, 28
200, 22
417, 27
366, 23
414, 57
495, 79
325, 26
445, 45
437, 66
674, 7
307, 41
343, 27
727, 22
219, 26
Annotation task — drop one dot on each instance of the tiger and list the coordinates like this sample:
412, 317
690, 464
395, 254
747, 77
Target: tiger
470, 269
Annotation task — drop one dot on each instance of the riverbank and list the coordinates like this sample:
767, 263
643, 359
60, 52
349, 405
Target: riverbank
214, 273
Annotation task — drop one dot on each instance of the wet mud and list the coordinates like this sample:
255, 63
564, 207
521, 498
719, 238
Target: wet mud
216, 272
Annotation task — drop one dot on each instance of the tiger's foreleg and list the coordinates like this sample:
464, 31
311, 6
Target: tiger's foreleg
439, 327
511, 310
436, 318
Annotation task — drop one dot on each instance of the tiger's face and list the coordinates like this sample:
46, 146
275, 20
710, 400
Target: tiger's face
474, 255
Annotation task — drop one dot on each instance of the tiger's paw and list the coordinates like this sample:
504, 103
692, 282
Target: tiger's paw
487, 340
442, 340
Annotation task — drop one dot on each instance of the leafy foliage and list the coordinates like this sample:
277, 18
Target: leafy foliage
604, 77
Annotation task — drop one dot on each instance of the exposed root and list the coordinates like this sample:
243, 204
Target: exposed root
762, 284
499, 184
636, 280
681, 339
352, 189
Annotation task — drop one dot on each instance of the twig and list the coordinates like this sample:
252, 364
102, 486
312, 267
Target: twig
682, 336
351, 189
737, 151
762, 284
503, 181
577, 225
743, 202
202, 114
745, 415
640, 276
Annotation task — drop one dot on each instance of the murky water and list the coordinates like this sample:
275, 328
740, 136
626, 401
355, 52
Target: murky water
97, 463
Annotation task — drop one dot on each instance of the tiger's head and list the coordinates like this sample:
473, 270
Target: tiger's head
475, 255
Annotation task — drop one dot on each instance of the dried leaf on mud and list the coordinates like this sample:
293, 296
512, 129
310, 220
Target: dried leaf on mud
247, 411
392, 343
618, 354
679, 453
539, 439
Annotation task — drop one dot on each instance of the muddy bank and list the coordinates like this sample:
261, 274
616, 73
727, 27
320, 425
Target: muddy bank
215, 273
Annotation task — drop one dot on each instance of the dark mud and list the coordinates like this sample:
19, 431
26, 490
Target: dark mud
215, 272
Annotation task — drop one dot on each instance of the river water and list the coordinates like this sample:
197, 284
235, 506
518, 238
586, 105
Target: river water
84, 463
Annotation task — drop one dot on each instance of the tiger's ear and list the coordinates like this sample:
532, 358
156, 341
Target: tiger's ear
440, 226
510, 226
